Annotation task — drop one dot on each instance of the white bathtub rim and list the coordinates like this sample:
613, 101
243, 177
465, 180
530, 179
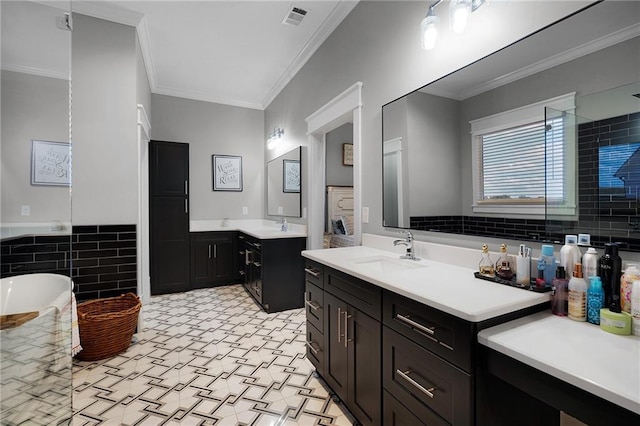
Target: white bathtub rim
57, 299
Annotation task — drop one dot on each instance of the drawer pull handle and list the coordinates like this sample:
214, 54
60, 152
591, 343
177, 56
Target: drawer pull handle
429, 330
310, 303
257, 264
312, 272
314, 350
405, 375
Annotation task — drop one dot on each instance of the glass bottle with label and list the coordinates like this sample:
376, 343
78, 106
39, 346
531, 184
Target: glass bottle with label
486, 265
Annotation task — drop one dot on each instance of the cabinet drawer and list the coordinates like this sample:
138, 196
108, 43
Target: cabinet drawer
313, 306
315, 347
425, 383
448, 336
360, 294
396, 414
314, 272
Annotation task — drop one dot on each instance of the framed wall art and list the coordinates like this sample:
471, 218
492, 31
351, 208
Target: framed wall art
227, 172
291, 176
347, 154
50, 163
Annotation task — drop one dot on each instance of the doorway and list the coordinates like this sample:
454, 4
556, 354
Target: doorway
344, 108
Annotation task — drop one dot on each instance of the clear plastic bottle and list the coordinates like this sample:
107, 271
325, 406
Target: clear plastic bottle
595, 300
503, 260
631, 274
577, 295
560, 296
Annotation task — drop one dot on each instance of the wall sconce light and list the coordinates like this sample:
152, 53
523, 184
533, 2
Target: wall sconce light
274, 137
459, 11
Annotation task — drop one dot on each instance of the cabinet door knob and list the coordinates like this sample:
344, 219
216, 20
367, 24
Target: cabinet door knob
405, 375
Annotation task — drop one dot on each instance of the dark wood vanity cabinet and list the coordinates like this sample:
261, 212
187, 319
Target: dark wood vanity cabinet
213, 260
274, 271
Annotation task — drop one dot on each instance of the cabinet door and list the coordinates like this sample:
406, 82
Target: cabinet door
396, 414
222, 260
200, 262
169, 169
336, 369
365, 378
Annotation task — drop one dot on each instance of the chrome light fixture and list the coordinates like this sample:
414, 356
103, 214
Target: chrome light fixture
459, 11
274, 137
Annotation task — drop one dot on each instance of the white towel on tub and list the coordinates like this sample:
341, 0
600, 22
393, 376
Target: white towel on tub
75, 330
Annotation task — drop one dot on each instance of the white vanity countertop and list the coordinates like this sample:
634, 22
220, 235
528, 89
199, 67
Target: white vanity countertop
604, 364
452, 289
259, 228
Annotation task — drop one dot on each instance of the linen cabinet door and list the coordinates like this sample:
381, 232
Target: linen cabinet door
336, 368
363, 339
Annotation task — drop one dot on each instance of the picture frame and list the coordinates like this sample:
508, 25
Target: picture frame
227, 172
50, 163
347, 154
291, 176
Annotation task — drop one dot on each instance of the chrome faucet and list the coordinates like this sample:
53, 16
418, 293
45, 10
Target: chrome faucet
284, 226
408, 242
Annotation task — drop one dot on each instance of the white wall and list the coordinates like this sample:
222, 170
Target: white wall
33, 107
378, 44
209, 129
143, 93
104, 122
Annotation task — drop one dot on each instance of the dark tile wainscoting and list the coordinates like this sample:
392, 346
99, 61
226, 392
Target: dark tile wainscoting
101, 258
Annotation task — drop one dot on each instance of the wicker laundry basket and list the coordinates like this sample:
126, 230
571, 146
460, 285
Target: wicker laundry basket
107, 326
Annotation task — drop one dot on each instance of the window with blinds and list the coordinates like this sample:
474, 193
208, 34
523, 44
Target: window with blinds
513, 164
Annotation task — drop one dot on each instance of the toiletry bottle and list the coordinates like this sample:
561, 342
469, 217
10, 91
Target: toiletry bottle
635, 308
560, 296
590, 263
609, 268
577, 295
486, 265
540, 279
547, 263
595, 300
523, 266
631, 274
570, 253
503, 260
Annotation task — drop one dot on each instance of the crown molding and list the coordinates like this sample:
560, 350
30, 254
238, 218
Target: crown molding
199, 95
337, 15
107, 11
41, 72
145, 48
555, 60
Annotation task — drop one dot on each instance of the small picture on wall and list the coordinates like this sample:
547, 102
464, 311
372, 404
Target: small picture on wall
50, 163
291, 176
347, 154
227, 172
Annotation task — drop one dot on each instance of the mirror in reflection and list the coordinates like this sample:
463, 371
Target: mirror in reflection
459, 157
284, 184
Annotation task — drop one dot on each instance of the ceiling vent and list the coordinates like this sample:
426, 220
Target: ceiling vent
294, 16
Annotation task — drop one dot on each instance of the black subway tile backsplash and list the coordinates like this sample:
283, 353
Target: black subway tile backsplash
101, 259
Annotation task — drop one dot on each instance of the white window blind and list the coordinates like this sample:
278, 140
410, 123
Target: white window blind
512, 164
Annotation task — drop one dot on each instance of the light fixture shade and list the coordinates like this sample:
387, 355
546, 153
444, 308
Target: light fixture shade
459, 11
274, 137
429, 30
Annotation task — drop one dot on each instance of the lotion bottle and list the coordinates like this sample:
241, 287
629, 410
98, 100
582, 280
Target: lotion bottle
569, 253
577, 295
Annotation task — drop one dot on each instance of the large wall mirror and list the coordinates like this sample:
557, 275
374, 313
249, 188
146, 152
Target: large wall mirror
577, 78
284, 184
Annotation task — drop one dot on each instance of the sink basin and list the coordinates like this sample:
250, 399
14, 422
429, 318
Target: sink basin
378, 264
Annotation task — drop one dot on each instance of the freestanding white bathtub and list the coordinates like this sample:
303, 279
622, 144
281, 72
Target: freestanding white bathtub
35, 357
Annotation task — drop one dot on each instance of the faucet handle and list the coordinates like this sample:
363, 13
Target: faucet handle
408, 235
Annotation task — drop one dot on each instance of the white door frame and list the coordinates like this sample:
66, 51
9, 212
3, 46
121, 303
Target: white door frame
142, 230
344, 108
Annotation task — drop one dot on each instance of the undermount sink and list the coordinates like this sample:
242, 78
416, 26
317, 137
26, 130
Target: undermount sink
387, 264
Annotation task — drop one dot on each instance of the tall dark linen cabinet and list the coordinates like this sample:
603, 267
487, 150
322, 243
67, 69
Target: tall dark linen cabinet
169, 216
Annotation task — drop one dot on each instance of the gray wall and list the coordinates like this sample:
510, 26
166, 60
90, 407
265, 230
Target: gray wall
104, 122
33, 107
209, 129
336, 173
378, 44
143, 94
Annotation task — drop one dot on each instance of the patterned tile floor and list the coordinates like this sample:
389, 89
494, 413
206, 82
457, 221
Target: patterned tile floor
207, 357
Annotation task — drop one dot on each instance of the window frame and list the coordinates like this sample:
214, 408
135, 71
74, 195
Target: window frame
513, 118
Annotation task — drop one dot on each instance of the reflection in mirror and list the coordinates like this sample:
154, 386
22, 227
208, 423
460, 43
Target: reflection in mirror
284, 184
435, 177
35, 215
